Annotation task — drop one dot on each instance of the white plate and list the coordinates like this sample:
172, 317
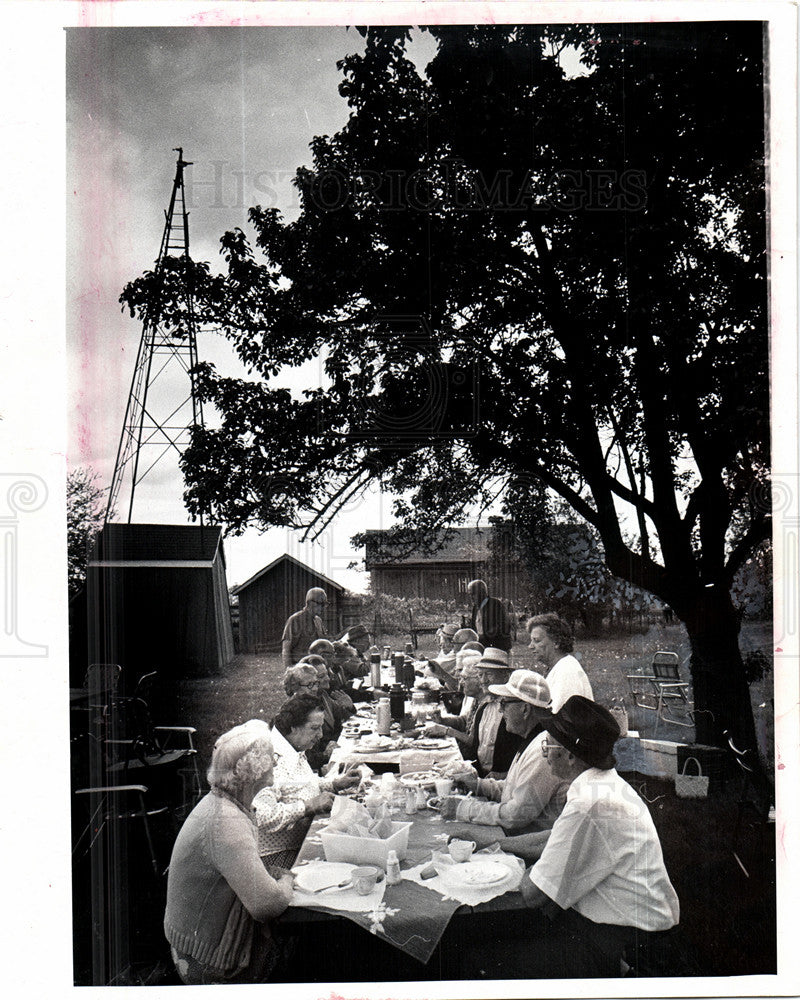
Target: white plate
372, 747
430, 743
311, 877
422, 778
477, 874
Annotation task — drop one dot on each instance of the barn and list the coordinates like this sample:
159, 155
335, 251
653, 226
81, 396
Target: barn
444, 574
278, 590
157, 599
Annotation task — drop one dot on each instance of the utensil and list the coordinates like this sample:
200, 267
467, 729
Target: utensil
325, 888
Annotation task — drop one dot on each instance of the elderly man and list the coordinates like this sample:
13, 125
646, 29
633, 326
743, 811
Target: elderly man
601, 864
489, 617
489, 740
303, 627
531, 796
552, 643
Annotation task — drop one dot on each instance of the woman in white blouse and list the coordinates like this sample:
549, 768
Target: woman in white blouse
283, 813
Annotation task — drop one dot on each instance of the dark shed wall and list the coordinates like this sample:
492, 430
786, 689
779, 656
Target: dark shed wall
173, 616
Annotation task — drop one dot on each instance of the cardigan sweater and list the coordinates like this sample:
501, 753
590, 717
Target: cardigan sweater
219, 894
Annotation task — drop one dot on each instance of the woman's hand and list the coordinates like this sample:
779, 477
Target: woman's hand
319, 803
484, 836
285, 880
345, 781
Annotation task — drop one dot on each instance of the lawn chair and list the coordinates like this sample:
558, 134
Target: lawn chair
111, 804
663, 692
124, 747
140, 751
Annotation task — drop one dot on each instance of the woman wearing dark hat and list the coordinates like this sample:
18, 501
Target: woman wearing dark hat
602, 864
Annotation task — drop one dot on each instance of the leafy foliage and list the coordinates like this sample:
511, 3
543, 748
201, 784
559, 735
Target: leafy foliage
513, 275
85, 517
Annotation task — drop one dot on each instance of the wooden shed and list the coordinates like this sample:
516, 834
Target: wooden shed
278, 590
157, 599
445, 573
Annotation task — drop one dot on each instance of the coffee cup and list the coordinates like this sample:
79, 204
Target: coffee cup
365, 879
443, 787
461, 850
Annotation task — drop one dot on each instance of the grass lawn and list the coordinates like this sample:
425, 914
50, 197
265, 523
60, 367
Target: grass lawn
250, 686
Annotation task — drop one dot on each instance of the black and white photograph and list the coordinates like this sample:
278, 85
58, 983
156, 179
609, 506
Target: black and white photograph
418, 452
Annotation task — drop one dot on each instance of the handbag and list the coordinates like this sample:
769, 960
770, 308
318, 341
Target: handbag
691, 786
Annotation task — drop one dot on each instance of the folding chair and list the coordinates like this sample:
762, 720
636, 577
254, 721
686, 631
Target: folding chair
109, 806
140, 749
663, 692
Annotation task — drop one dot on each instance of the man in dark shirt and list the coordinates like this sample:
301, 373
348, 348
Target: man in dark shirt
489, 617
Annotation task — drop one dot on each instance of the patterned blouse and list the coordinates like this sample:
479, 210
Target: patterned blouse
280, 810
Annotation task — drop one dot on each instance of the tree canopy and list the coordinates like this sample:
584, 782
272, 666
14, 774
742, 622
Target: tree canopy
520, 277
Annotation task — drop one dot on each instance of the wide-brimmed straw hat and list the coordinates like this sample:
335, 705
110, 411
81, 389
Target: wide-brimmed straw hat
527, 686
587, 730
494, 659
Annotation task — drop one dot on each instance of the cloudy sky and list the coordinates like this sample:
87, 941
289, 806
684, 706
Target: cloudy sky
244, 104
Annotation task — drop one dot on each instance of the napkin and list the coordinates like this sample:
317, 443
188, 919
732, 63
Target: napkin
338, 899
471, 895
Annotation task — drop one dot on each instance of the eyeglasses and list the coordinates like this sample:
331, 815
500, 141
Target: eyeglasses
504, 702
547, 747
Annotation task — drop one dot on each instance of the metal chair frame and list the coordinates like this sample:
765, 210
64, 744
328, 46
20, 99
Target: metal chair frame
105, 813
662, 691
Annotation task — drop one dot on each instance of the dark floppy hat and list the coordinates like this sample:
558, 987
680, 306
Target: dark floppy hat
586, 729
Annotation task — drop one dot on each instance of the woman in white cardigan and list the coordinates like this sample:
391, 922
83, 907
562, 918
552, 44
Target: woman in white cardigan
220, 898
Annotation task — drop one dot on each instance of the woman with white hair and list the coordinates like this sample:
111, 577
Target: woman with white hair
220, 897
302, 677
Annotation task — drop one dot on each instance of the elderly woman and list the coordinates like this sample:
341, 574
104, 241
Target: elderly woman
552, 644
300, 677
284, 811
219, 895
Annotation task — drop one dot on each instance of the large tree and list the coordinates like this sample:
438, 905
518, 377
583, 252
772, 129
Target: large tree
518, 274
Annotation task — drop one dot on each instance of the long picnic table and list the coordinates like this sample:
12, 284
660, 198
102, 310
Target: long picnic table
413, 931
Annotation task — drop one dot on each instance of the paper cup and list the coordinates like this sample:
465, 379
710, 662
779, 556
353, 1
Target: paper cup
364, 879
443, 786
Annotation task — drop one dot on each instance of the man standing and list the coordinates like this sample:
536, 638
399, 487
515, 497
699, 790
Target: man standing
303, 627
602, 863
489, 617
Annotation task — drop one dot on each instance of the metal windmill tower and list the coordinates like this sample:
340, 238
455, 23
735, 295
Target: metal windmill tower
154, 425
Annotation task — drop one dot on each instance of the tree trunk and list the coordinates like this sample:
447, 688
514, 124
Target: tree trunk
721, 693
